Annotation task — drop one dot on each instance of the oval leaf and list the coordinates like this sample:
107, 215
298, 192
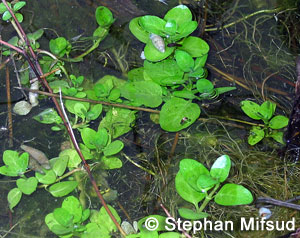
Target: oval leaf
27, 186
184, 60
104, 16
278, 122
62, 188
251, 109
221, 167
232, 195
14, 196
113, 148
191, 215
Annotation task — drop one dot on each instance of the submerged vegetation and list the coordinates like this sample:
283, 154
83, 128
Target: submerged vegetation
127, 138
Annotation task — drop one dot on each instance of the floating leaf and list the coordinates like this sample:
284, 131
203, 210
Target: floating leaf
177, 114
180, 14
278, 122
184, 60
104, 16
221, 167
73, 206
204, 86
232, 195
14, 196
138, 31
61, 189
153, 24
152, 54
27, 186
143, 93
195, 46
63, 217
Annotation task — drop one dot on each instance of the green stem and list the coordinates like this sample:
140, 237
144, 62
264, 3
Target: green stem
246, 17
208, 198
237, 120
123, 70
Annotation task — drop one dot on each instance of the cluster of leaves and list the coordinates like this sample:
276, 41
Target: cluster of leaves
15, 8
193, 181
175, 75
16, 166
272, 124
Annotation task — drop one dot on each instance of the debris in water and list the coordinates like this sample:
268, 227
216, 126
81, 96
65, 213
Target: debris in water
38, 155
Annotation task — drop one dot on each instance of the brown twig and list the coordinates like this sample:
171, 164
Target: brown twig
38, 71
263, 84
10, 125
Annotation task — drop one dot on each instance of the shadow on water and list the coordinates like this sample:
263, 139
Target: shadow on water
256, 55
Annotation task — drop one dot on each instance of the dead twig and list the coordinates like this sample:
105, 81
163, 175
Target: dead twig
10, 124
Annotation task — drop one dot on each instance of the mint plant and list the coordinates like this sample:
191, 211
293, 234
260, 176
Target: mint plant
194, 181
272, 124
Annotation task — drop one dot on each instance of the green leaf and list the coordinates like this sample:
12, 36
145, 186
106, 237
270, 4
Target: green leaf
110, 163
267, 110
15, 165
104, 17
60, 165
94, 112
27, 186
113, 148
100, 33
19, 5
89, 136
138, 31
93, 230
165, 73
161, 223
62, 188
56, 227
6, 16
63, 217
14, 196
180, 14
19, 17
191, 215
177, 114
48, 116
170, 235
80, 110
143, 93
70, 104
184, 60
278, 122
277, 136
204, 86
191, 171
59, 46
105, 220
136, 74
251, 109
200, 61
170, 27
198, 73
232, 195
221, 167
118, 121
224, 89
205, 182
184, 94
3, 7
74, 159
48, 178
73, 206
101, 139
256, 135
186, 191
184, 30
195, 46
153, 54
152, 24
38, 34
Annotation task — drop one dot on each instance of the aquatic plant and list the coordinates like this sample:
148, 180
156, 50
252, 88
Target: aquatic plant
272, 124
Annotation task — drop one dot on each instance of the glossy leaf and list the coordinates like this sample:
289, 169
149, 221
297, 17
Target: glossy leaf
63, 217
206, 182
200, 61
19, 5
191, 171
113, 148
267, 110
232, 195
138, 31
251, 109
195, 46
60, 165
184, 60
104, 16
180, 14
61, 189
6, 16
220, 168
48, 116
153, 54
278, 122
48, 178
191, 215
152, 24
27, 186
3, 7
143, 93
170, 27
256, 135
19, 17
14, 196
204, 86
177, 114
73, 206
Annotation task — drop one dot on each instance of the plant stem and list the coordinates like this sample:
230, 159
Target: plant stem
245, 18
237, 120
208, 198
